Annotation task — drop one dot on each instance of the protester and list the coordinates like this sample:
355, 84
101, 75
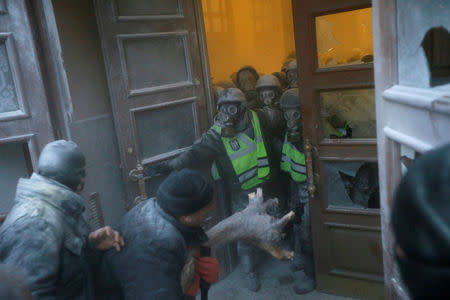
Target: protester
160, 232
421, 224
45, 235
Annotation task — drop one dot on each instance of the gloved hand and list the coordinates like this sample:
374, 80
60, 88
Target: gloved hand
207, 268
159, 168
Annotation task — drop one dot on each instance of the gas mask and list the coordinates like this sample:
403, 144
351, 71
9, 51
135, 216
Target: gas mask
230, 114
268, 97
293, 124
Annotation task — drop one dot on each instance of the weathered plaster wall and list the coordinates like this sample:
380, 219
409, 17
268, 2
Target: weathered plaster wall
415, 18
92, 124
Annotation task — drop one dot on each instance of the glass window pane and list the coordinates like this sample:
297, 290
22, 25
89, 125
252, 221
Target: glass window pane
164, 54
352, 184
348, 113
179, 123
345, 38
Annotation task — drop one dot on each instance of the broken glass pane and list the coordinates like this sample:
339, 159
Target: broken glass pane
352, 184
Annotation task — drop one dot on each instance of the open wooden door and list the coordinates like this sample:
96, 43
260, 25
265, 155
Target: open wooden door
335, 60
25, 126
155, 65
412, 76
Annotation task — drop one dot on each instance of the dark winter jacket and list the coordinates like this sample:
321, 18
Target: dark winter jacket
45, 236
150, 265
210, 148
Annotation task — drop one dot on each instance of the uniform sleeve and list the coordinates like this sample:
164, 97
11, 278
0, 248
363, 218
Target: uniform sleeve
203, 150
32, 245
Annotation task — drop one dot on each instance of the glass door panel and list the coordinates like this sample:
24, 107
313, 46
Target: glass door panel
348, 113
344, 38
352, 185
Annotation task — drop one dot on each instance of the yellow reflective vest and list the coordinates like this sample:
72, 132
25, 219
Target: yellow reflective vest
293, 161
248, 156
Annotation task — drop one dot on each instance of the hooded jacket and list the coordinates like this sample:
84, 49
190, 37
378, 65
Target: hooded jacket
45, 236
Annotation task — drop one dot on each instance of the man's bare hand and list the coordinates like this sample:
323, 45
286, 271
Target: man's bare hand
106, 238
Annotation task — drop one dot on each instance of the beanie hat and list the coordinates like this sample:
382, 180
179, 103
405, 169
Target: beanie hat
421, 223
184, 192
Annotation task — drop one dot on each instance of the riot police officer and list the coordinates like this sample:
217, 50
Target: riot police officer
293, 163
268, 91
237, 148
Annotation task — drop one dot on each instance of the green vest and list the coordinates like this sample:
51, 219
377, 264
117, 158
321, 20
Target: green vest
293, 161
338, 132
248, 156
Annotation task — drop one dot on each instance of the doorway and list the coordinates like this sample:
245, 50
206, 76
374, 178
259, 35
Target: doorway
139, 37
335, 54
333, 46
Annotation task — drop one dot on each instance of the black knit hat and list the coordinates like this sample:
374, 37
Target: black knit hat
184, 192
421, 223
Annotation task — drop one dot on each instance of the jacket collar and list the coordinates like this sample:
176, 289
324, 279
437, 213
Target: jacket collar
193, 236
61, 197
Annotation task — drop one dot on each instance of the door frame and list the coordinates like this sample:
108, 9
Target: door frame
204, 54
311, 82
386, 75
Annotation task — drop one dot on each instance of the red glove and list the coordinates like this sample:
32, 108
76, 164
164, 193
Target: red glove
193, 289
207, 268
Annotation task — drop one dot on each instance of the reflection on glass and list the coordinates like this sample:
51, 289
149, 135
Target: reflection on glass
352, 184
348, 113
345, 38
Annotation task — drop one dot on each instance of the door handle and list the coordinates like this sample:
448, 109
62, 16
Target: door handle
137, 175
309, 169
